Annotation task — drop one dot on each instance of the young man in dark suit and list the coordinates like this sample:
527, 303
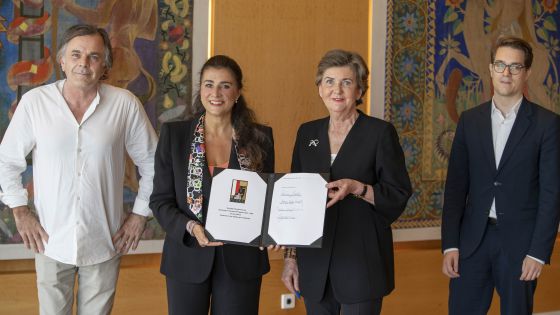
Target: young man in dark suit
502, 195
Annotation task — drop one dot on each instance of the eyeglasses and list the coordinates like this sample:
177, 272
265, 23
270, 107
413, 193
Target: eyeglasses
514, 68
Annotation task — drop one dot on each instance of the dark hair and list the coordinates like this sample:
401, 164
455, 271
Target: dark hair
85, 30
515, 43
342, 58
251, 140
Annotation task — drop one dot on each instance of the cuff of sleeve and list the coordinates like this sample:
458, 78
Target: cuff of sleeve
13, 201
141, 207
536, 259
452, 249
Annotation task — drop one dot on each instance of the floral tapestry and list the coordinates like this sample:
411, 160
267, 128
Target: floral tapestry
438, 56
152, 56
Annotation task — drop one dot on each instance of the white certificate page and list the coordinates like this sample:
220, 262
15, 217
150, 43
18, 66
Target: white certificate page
236, 206
297, 211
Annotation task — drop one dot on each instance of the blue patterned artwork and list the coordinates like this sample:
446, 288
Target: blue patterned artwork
438, 56
152, 52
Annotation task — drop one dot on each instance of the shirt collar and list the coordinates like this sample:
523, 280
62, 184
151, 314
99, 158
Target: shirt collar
514, 110
92, 107
94, 103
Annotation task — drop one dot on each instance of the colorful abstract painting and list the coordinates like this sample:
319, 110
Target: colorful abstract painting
151, 41
438, 56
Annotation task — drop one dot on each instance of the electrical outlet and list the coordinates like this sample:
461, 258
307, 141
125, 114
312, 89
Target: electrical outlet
287, 301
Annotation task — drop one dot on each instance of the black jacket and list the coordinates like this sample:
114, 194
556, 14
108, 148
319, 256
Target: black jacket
357, 252
182, 258
526, 184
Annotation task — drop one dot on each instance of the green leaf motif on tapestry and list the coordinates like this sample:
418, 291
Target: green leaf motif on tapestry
542, 33
450, 15
550, 24
457, 27
537, 8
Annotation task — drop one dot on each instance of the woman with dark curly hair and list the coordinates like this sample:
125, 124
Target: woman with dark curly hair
223, 133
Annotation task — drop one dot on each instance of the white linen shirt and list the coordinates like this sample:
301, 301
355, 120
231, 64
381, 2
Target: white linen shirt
78, 168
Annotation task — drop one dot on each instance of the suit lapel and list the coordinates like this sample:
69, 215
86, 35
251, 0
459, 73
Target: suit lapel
520, 126
324, 147
348, 142
485, 130
181, 142
315, 147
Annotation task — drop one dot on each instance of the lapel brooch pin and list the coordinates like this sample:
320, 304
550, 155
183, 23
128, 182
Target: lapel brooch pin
314, 142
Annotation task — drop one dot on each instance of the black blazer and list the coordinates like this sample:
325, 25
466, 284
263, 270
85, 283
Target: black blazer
183, 259
357, 251
526, 183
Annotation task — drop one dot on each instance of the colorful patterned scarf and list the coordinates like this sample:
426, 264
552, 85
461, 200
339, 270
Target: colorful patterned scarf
197, 161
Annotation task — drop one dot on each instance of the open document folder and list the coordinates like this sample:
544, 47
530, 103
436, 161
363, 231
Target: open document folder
261, 209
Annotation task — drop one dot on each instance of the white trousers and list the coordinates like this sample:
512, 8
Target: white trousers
96, 286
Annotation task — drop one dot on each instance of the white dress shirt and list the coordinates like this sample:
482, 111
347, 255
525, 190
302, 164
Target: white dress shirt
78, 168
501, 128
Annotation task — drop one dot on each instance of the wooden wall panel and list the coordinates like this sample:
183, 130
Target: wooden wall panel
278, 45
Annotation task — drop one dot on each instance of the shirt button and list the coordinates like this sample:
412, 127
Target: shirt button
79, 174
78, 198
79, 150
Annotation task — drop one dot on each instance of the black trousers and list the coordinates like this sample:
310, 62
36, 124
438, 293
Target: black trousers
222, 294
329, 305
489, 268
